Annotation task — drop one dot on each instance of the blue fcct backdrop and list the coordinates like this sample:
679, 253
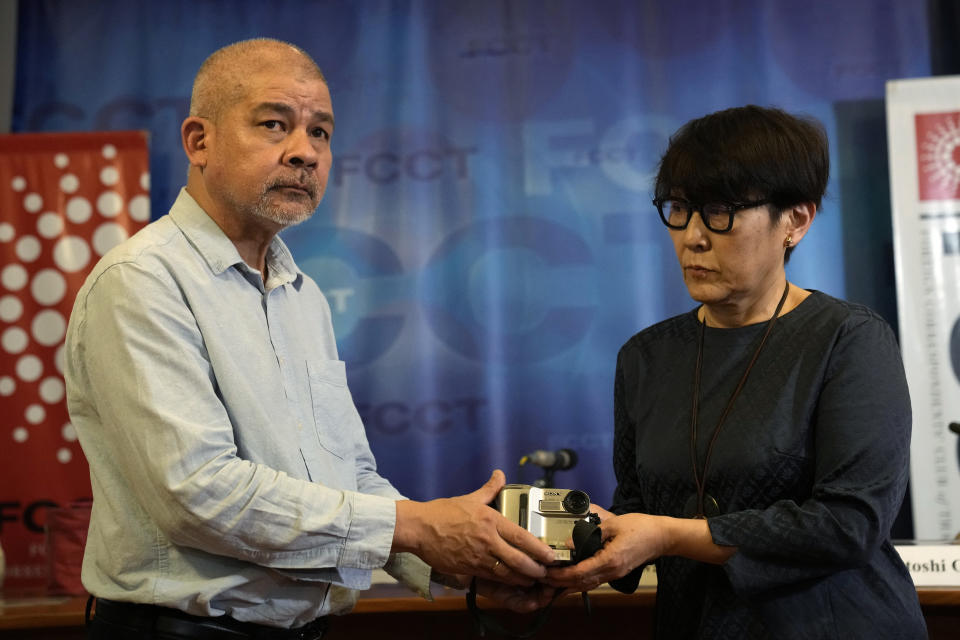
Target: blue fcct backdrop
487, 241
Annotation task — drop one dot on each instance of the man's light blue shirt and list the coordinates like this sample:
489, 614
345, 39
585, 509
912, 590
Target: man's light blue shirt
230, 469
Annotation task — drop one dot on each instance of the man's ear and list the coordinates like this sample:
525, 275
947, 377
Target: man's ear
195, 135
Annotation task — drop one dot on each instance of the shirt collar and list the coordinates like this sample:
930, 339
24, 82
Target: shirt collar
218, 250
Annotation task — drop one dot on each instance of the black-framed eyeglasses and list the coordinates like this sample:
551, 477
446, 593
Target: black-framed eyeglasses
717, 216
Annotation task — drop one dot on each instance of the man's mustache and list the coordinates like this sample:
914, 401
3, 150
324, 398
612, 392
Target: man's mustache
307, 182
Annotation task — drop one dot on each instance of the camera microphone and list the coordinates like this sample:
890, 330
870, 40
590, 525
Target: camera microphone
955, 427
559, 460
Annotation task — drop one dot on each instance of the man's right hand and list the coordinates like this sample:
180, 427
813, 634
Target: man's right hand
463, 535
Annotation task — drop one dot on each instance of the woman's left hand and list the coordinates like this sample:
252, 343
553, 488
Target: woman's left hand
521, 599
517, 598
630, 540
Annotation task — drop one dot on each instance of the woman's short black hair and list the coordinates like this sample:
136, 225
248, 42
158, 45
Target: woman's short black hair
747, 153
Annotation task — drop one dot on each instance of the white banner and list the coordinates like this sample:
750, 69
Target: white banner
923, 127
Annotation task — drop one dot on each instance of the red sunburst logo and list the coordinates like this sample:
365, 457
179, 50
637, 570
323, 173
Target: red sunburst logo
938, 151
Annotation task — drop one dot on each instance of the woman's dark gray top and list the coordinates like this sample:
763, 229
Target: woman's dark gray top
809, 472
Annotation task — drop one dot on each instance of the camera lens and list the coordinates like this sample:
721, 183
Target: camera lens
576, 502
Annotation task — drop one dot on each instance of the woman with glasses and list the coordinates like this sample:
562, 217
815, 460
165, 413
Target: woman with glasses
761, 439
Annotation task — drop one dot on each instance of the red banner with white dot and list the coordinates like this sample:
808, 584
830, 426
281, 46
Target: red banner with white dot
65, 200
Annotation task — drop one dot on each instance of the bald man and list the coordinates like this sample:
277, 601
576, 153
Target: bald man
235, 494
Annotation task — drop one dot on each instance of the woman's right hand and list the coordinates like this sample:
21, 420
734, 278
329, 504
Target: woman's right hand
630, 540
634, 539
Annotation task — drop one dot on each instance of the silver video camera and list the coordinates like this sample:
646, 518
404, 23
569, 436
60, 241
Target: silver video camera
549, 514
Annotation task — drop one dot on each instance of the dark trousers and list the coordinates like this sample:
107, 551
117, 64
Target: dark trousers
127, 621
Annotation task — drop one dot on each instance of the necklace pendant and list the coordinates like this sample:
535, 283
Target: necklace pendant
709, 510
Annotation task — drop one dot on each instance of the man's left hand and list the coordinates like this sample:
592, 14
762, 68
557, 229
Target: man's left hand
517, 598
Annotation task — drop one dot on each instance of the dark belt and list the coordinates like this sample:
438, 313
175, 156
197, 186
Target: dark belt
148, 617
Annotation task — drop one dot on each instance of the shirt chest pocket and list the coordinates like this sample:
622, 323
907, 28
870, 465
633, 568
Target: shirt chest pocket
335, 416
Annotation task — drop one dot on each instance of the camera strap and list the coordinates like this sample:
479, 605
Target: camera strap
587, 540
